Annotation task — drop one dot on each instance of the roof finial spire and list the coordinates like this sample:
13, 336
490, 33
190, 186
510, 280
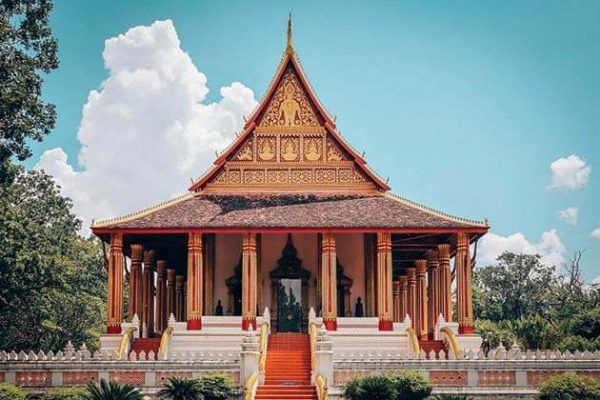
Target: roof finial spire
289, 48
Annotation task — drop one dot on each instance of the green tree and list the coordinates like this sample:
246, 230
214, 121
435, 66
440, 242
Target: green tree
52, 281
520, 285
177, 388
28, 49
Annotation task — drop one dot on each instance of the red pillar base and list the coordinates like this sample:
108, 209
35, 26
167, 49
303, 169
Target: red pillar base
386, 325
330, 324
465, 329
194, 324
113, 329
248, 322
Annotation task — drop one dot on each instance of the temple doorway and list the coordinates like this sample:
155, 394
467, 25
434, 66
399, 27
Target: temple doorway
289, 289
289, 306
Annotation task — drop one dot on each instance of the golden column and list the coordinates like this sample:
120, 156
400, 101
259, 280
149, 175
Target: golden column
116, 264
249, 279
384, 281
445, 282
421, 325
329, 281
148, 291
411, 295
433, 291
396, 290
170, 293
161, 289
463, 285
135, 281
194, 281
403, 283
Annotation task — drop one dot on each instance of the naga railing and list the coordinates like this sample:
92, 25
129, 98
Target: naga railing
452, 340
321, 383
250, 386
413, 340
125, 342
165, 339
262, 346
312, 330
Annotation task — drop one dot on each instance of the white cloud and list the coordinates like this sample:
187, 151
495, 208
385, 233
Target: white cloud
595, 234
146, 131
569, 215
569, 173
596, 281
550, 247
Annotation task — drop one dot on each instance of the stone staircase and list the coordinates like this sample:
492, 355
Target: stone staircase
288, 367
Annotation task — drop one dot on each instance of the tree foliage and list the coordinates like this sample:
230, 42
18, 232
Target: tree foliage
52, 281
27, 49
105, 390
570, 387
521, 301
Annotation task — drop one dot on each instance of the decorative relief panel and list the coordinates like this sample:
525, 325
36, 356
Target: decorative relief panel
496, 378
313, 148
290, 148
448, 378
137, 378
289, 106
333, 153
33, 378
266, 148
245, 153
79, 378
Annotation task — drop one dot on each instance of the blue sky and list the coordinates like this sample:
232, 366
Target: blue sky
463, 104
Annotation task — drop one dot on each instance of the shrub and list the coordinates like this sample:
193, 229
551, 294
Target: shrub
376, 387
216, 386
63, 393
570, 387
177, 388
411, 385
111, 391
11, 392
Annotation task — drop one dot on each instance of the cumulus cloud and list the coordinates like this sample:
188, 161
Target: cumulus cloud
550, 247
595, 234
569, 215
147, 130
569, 173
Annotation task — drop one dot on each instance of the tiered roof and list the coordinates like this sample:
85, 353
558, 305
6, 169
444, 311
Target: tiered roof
289, 169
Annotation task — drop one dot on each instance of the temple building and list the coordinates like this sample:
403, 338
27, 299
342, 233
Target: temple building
290, 218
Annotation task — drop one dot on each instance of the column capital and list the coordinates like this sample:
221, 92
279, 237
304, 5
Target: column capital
411, 274
462, 241
403, 280
443, 252
421, 267
149, 257
137, 252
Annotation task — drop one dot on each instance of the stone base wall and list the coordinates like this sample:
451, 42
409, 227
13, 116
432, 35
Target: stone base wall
505, 379
147, 375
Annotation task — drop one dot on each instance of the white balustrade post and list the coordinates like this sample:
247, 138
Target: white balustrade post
324, 357
249, 354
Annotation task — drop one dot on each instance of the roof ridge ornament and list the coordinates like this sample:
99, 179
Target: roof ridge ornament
289, 48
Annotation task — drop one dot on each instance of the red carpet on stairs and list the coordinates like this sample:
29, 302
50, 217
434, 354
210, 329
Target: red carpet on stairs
287, 371
146, 344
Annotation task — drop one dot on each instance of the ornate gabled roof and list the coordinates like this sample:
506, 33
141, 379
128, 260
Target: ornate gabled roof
289, 143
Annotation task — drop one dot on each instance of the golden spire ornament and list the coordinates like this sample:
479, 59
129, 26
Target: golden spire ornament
289, 48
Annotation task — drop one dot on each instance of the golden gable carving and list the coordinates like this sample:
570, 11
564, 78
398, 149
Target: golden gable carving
289, 106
